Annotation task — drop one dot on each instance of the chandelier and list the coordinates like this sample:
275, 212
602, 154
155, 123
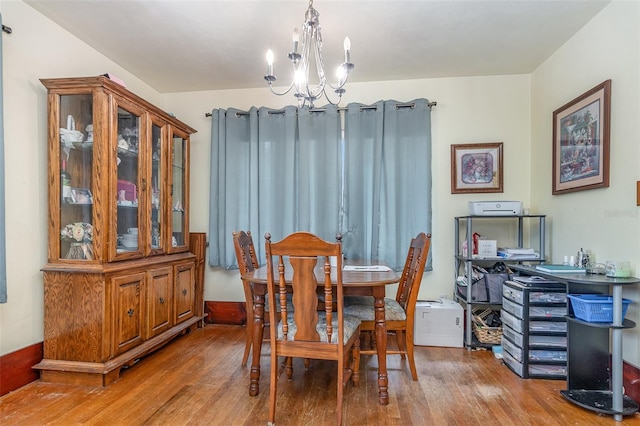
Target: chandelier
301, 58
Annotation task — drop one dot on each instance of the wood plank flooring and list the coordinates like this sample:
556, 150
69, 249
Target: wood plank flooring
197, 380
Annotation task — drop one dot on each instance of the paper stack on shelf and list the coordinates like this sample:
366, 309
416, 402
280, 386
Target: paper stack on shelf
517, 253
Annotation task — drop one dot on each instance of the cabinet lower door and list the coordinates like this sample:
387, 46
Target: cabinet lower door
185, 290
129, 317
159, 300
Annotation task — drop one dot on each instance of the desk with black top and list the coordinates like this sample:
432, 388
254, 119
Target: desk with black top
594, 367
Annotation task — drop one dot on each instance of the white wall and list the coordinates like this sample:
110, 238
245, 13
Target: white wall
606, 220
36, 49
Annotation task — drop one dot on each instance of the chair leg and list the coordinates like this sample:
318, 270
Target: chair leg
372, 342
273, 389
340, 390
409, 343
401, 338
248, 339
365, 339
286, 365
355, 375
248, 297
289, 368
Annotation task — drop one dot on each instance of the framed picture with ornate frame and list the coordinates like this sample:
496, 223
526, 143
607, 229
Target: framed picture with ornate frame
581, 141
476, 168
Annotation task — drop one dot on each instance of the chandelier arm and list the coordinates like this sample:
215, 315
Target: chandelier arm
340, 83
283, 93
336, 103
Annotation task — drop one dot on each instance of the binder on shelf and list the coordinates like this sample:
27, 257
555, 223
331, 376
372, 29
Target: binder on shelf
561, 269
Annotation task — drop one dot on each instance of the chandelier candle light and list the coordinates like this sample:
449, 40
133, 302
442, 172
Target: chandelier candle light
311, 50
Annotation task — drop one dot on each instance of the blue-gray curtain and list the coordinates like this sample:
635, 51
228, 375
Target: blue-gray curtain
388, 178
273, 171
318, 174
363, 179
290, 170
3, 247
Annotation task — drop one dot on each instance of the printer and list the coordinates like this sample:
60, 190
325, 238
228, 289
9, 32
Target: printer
438, 323
495, 208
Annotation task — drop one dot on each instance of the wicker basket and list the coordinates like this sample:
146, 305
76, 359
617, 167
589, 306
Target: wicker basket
485, 333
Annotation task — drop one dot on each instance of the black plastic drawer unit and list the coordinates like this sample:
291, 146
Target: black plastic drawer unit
534, 339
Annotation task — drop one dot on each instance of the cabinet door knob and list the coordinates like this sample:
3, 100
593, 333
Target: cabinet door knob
130, 312
162, 300
184, 291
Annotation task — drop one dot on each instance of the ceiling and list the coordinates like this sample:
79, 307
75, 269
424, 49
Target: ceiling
182, 45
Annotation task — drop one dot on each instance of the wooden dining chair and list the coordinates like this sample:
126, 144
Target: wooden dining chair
399, 312
308, 332
247, 262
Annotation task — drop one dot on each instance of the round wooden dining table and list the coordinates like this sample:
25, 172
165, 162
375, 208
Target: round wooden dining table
360, 279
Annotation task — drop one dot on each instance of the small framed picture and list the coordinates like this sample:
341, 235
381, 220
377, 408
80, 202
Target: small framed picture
581, 141
81, 196
476, 168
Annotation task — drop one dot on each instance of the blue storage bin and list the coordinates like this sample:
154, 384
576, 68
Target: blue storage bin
595, 307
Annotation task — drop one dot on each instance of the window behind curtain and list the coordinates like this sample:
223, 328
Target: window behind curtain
288, 170
3, 247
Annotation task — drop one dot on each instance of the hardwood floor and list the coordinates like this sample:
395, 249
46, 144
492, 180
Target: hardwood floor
197, 379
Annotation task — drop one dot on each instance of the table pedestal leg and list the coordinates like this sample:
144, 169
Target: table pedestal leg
381, 344
258, 328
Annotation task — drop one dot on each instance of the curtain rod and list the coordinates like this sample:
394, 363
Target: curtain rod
281, 111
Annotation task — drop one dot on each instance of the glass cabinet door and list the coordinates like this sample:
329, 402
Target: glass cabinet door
75, 177
127, 194
179, 195
157, 230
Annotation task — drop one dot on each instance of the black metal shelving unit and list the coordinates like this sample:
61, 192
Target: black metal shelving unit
464, 229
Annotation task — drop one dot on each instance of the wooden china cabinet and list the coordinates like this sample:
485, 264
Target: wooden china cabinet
120, 281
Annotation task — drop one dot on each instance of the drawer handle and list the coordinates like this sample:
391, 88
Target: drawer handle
184, 291
130, 312
162, 300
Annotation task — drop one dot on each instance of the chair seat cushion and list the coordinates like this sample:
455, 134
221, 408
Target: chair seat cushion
351, 323
362, 307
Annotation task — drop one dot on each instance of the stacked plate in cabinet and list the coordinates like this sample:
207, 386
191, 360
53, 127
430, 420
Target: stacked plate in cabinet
534, 338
